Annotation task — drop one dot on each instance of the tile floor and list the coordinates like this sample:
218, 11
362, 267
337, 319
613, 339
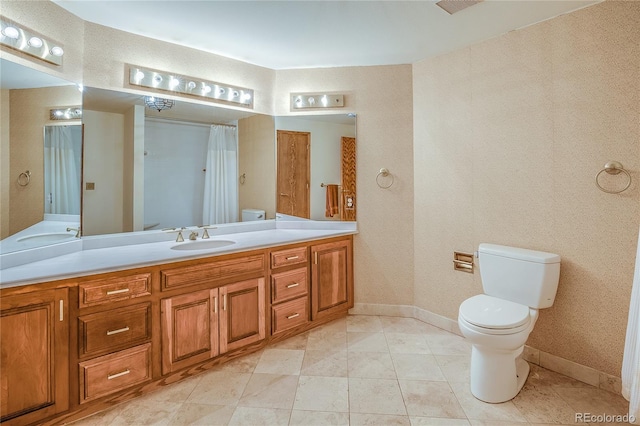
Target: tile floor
361, 370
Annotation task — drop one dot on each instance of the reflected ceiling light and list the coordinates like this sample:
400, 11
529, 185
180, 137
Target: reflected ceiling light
316, 100
177, 85
158, 103
66, 113
24, 40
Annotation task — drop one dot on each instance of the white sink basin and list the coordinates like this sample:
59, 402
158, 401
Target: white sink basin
202, 245
50, 237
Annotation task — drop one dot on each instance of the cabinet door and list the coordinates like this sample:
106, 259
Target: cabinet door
34, 367
331, 282
243, 314
189, 329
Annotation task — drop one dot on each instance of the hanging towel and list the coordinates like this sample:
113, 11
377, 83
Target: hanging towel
332, 200
631, 358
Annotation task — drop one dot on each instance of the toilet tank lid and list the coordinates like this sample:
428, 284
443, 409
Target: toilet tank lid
519, 253
253, 210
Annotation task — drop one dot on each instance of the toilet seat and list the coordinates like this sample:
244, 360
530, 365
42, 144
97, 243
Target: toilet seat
491, 315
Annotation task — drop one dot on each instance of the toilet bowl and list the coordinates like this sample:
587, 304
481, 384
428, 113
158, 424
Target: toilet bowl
517, 283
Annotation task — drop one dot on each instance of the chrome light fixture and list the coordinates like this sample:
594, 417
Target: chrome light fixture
184, 85
316, 100
70, 113
155, 102
27, 41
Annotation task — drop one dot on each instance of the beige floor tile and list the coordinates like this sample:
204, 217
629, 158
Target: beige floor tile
375, 396
327, 341
366, 342
455, 367
404, 325
269, 391
175, 392
339, 325
280, 361
449, 344
372, 365
244, 416
476, 409
202, 415
325, 363
592, 400
364, 323
435, 421
359, 419
318, 418
298, 342
541, 404
322, 394
219, 388
102, 418
430, 399
539, 375
146, 412
406, 343
417, 367
243, 364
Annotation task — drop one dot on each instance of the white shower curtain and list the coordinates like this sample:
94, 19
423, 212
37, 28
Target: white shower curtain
62, 171
631, 359
221, 184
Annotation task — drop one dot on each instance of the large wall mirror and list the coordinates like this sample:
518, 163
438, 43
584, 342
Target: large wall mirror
198, 164
41, 159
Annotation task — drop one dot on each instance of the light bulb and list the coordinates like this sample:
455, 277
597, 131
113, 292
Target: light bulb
325, 101
206, 89
157, 79
173, 83
57, 51
35, 42
11, 32
191, 85
139, 75
58, 113
311, 100
246, 96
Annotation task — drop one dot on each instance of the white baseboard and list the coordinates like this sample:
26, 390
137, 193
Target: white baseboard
546, 360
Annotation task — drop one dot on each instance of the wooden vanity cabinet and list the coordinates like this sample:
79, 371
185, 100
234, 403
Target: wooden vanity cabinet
289, 289
34, 371
331, 278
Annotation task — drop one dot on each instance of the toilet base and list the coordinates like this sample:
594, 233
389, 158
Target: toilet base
497, 376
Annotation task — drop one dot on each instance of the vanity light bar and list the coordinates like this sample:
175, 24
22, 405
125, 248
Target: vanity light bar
24, 40
180, 84
71, 113
316, 100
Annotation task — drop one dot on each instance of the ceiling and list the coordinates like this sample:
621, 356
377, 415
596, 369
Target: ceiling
316, 34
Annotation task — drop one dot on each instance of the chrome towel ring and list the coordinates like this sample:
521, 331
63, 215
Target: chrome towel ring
24, 178
613, 168
384, 173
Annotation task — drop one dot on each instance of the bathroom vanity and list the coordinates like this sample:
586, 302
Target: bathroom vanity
76, 344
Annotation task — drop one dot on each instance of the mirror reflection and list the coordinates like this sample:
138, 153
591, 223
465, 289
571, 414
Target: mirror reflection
31, 207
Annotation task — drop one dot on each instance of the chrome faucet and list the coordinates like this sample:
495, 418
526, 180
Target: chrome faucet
205, 234
179, 238
75, 229
193, 235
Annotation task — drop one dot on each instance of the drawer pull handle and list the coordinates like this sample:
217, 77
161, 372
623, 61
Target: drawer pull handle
120, 374
292, 257
124, 290
293, 285
120, 330
293, 316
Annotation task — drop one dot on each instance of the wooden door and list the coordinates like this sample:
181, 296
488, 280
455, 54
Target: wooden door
34, 367
348, 177
293, 171
189, 329
243, 314
330, 279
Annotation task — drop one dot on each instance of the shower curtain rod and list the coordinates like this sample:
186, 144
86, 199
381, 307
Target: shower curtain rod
191, 123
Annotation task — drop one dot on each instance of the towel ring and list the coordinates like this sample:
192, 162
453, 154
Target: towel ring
384, 173
243, 178
24, 178
613, 168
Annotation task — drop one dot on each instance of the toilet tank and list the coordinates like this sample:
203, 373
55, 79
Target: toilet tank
252, 214
528, 277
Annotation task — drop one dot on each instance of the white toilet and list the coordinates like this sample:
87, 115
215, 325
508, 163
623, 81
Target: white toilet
516, 282
249, 215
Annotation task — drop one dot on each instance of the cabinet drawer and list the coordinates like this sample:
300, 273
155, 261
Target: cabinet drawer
288, 285
207, 272
114, 329
290, 314
114, 372
111, 289
288, 257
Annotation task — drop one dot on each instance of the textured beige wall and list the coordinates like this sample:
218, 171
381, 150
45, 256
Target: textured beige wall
257, 162
5, 175
29, 113
382, 98
509, 134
